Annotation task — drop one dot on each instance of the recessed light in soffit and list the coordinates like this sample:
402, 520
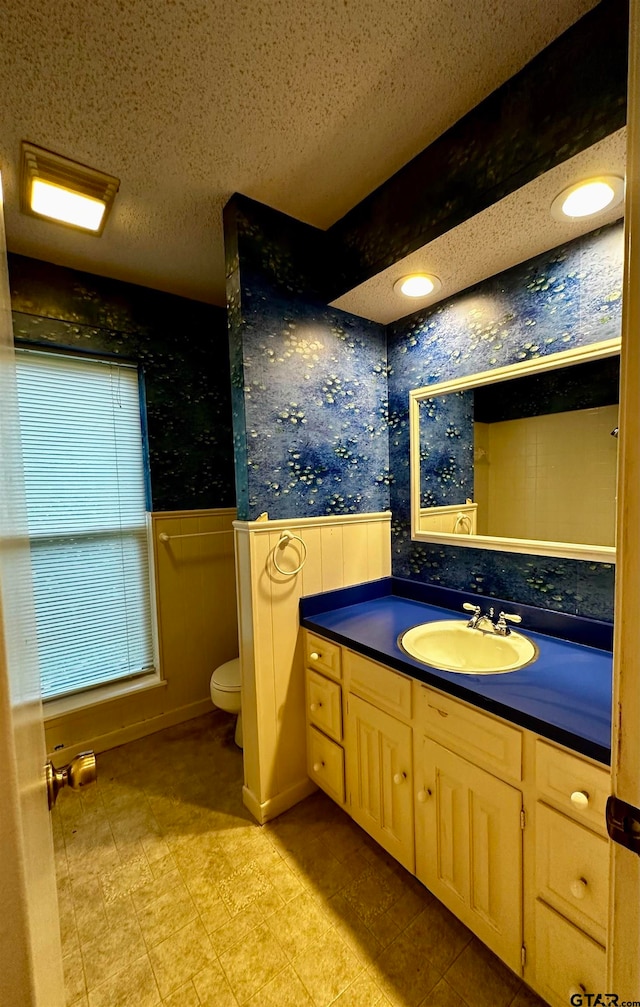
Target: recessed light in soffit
417, 285
588, 197
57, 189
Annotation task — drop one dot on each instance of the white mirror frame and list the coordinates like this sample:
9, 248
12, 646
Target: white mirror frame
535, 547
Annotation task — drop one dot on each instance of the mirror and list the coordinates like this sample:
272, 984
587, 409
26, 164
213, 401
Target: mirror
521, 458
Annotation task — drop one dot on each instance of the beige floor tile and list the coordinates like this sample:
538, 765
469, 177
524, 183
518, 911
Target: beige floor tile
155, 847
285, 990
213, 988
363, 992
285, 882
444, 995
120, 913
385, 929
169, 913
317, 867
481, 979
134, 985
148, 893
370, 895
68, 929
439, 935
243, 887
305, 909
215, 916
126, 878
89, 908
327, 967
74, 982
402, 973
250, 965
343, 838
525, 997
298, 923
180, 957
362, 941
408, 906
165, 865
110, 951
237, 929
186, 996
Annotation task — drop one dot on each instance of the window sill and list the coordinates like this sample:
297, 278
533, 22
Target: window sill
53, 708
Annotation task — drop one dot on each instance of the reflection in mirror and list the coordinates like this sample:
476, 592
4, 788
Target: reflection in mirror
522, 459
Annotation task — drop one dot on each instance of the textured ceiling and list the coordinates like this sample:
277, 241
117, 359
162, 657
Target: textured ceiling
306, 106
510, 231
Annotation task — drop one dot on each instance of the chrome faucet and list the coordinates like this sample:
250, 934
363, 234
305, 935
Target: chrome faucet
486, 621
478, 618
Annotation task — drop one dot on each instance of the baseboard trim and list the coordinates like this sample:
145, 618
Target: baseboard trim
132, 732
275, 806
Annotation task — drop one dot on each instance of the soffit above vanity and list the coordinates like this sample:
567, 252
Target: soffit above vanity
509, 232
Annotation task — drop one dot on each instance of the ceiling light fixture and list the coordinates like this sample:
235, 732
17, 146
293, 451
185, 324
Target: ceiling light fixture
586, 198
70, 193
417, 285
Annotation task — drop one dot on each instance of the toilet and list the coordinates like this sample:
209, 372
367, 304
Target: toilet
225, 692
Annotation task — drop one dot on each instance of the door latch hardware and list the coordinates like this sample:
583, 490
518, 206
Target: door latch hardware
77, 774
623, 823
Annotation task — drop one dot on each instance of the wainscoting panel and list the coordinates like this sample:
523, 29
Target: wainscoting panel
196, 602
195, 597
340, 551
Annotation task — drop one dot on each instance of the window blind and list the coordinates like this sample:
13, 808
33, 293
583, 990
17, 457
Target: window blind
85, 489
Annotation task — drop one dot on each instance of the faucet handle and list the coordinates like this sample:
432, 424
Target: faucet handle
468, 606
510, 617
503, 619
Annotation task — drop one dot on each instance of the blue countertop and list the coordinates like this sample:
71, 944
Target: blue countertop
564, 695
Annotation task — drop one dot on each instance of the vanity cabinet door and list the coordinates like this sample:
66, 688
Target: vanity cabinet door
469, 846
379, 778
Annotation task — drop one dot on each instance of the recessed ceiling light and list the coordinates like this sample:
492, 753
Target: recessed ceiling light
65, 191
417, 285
586, 198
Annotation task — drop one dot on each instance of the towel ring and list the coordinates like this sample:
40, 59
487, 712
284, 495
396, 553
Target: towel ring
288, 536
460, 521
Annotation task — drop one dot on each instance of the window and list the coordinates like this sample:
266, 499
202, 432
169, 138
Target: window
85, 487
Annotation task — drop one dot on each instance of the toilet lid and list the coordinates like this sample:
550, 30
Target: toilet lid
226, 678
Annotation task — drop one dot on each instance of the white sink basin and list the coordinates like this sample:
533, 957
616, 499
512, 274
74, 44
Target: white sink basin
453, 646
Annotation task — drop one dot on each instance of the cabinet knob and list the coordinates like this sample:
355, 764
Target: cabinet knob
317, 766
580, 799
423, 795
315, 656
578, 888
315, 707
399, 777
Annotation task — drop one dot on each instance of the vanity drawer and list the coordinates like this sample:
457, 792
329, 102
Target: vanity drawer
324, 704
577, 787
489, 743
567, 961
572, 870
325, 764
382, 687
323, 655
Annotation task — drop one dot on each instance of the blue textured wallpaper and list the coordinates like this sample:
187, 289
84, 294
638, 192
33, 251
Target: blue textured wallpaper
182, 349
567, 98
309, 383
565, 298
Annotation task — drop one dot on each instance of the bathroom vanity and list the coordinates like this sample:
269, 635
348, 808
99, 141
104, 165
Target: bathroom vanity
490, 789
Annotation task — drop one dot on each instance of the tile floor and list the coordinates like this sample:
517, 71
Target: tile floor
171, 894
